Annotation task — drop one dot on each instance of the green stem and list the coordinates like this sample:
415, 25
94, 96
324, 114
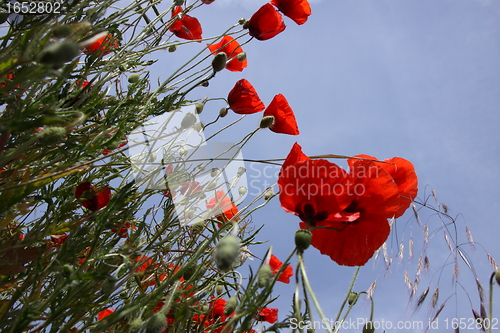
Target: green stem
348, 292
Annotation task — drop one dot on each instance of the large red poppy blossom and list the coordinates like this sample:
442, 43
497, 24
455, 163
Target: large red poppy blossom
97, 198
186, 27
231, 48
284, 118
224, 208
268, 314
243, 98
310, 189
275, 265
102, 46
403, 173
266, 23
295, 155
297, 10
374, 197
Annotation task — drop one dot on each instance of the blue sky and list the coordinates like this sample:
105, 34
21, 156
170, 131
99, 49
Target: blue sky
415, 79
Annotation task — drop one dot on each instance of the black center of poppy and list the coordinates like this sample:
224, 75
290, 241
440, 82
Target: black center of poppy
307, 213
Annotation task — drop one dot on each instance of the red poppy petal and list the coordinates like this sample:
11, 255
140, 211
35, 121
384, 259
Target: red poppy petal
104, 313
297, 10
295, 155
186, 27
403, 173
284, 118
269, 314
243, 99
357, 241
266, 23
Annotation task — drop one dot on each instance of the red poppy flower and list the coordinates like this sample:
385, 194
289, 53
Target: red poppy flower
146, 262
231, 48
297, 10
403, 173
268, 314
243, 98
223, 207
56, 240
266, 23
190, 188
102, 46
104, 313
295, 155
97, 198
284, 118
276, 264
310, 188
374, 197
186, 27
9, 77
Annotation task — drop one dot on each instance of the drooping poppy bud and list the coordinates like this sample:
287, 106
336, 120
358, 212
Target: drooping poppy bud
368, 327
231, 305
264, 275
133, 78
226, 253
59, 53
352, 298
266, 122
219, 62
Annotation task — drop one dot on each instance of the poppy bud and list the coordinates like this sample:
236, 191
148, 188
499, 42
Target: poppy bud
246, 24
172, 48
214, 172
368, 328
352, 298
241, 171
59, 53
189, 271
231, 305
199, 107
266, 122
223, 112
219, 290
242, 21
219, 62
497, 277
136, 325
204, 83
156, 324
122, 68
226, 252
67, 270
188, 121
302, 239
62, 31
179, 2
242, 190
264, 275
268, 195
51, 135
204, 308
198, 227
133, 78
241, 56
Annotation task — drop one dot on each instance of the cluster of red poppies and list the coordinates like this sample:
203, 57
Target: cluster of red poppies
243, 99
346, 212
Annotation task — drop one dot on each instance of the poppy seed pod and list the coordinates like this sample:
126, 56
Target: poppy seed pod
51, 135
368, 328
219, 290
231, 305
172, 48
266, 122
133, 78
264, 275
188, 120
59, 53
302, 239
67, 270
226, 253
219, 62
156, 323
241, 171
223, 112
352, 298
